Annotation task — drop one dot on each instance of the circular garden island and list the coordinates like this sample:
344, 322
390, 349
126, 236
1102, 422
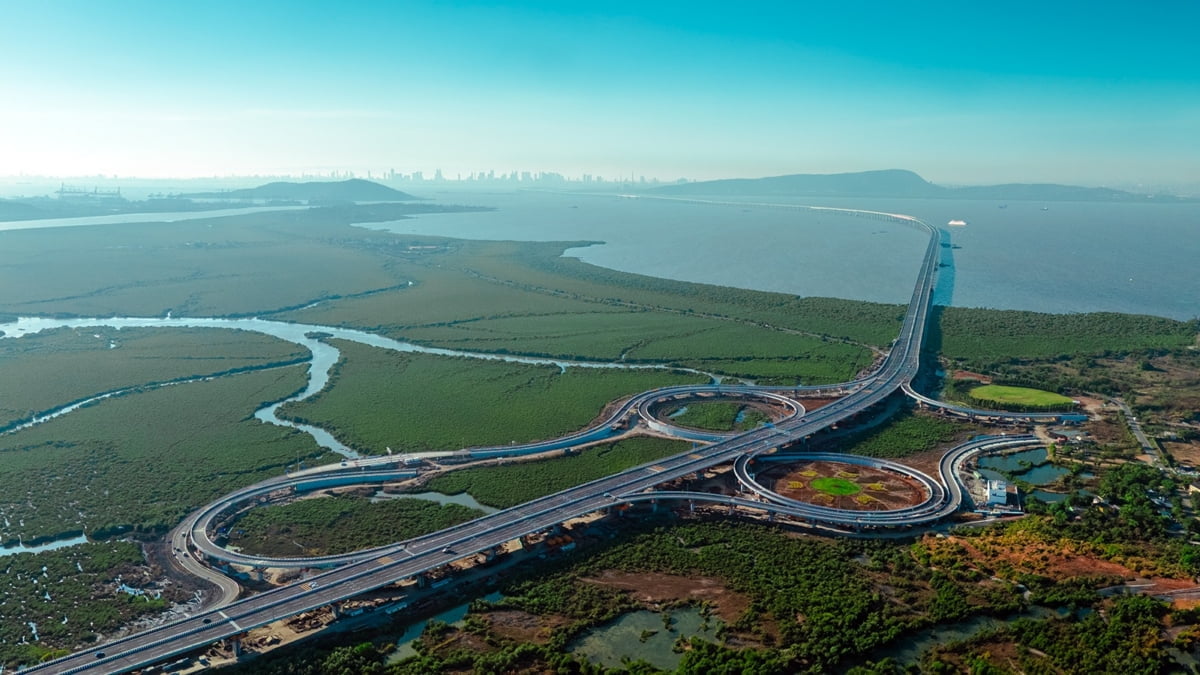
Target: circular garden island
718, 414
843, 486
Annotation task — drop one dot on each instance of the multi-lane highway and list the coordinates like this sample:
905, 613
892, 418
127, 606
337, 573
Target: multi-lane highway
394, 563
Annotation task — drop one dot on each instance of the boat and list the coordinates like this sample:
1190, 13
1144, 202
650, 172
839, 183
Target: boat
957, 223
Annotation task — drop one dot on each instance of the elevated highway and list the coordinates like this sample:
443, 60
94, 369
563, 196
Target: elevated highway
979, 413
395, 563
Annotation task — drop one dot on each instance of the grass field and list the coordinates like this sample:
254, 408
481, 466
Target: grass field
415, 402
512, 484
1022, 396
47, 370
834, 486
142, 461
333, 525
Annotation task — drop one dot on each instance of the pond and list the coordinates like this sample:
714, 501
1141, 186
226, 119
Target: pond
642, 635
1032, 466
909, 649
453, 616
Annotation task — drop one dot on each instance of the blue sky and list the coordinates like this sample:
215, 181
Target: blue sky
1094, 93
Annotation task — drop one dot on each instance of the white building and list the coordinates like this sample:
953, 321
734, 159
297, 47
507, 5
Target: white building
997, 493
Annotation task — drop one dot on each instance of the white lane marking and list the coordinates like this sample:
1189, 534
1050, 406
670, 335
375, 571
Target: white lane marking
231, 621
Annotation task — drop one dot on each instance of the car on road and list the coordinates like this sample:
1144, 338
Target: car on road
447, 549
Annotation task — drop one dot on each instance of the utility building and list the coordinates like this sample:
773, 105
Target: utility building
997, 493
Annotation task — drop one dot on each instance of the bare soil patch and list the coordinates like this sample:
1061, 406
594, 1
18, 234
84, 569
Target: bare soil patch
971, 375
879, 490
926, 461
1092, 406
655, 589
522, 626
814, 403
1187, 452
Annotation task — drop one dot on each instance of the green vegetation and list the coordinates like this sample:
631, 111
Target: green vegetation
996, 396
810, 606
981, 338
238, 265
1125, 640
815, 605
77, 583
414, 402
492, 296
903, 434
1023, 396
837, 487
653, 337
140, 462
341, 524
720, 416
54, 368
512, 484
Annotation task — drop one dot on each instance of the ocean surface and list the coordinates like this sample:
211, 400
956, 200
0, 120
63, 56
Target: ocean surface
1049, 257
1057, 257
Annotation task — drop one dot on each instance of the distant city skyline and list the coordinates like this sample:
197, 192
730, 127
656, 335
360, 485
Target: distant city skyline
1066, 93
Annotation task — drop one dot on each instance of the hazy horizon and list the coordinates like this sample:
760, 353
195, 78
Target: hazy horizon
961, 95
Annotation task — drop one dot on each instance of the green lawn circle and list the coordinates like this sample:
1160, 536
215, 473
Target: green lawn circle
1019, 395
836, 487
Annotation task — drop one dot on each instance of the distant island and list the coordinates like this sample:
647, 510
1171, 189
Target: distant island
353, 190
900, 183
80, 203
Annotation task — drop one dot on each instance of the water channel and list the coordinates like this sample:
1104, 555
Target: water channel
324, 356
462, 499
122, 218
48, 546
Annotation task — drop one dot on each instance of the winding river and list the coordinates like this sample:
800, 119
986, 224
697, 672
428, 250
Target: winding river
324, 356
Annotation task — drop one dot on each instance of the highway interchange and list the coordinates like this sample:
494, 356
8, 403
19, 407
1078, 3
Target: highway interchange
368, 570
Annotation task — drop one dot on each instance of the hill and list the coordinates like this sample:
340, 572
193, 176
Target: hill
887, 183
897, 183
353, 190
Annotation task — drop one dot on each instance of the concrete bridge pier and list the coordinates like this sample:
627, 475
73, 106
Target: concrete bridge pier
336, 610
257, 573
691, 506
422, 580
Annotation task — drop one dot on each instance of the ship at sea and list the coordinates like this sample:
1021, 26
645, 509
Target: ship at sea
957, 223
